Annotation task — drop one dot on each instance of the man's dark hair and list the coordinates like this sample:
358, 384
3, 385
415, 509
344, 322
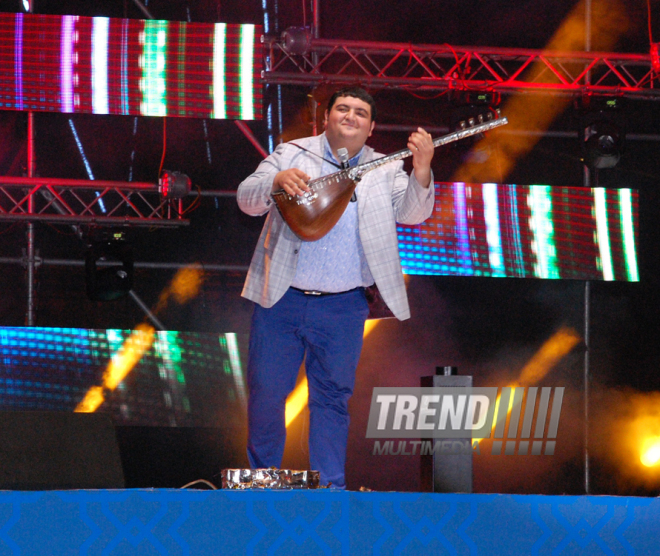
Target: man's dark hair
355, 92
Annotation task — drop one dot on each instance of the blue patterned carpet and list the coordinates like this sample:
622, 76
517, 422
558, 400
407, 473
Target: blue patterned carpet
177, 522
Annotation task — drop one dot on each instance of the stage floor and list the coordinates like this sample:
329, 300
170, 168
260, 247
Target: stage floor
173, 522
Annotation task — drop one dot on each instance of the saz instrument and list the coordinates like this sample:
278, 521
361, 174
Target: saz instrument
314, 214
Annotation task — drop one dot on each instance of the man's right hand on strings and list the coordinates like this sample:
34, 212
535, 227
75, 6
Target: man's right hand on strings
293, 181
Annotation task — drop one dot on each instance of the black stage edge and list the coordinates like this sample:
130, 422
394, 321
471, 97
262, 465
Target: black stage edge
51, 450
170, 457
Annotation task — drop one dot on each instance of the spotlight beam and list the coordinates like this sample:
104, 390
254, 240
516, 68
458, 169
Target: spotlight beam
142, 305
88, 168
251, 137
542, 362
120, 365
184, 286
143, 9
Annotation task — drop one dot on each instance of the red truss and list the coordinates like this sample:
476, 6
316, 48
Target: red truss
443, 67
67, 201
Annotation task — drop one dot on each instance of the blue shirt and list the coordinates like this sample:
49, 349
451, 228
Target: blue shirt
336, 262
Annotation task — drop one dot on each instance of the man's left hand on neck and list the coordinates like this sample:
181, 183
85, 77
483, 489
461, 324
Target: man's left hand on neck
421, 145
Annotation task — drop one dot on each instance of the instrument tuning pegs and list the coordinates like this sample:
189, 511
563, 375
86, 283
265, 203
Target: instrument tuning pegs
499, 112
471, 122
462, 124
480, 118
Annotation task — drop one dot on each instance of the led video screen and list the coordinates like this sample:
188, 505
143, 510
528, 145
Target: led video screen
181, 379
102, 65
521, 231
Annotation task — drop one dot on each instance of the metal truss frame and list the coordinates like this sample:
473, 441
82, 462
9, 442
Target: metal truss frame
445, 67
67, 201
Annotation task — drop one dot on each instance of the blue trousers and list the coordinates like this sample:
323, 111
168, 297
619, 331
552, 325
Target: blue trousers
327, 332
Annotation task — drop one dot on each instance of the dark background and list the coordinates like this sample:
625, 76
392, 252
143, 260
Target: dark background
489, 328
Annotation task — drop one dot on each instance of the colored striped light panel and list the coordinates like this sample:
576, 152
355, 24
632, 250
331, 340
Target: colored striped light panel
219, 86
66, 64
18, 62
540, 222
518, 231
493, 236
152, 83
100, 65
462, 235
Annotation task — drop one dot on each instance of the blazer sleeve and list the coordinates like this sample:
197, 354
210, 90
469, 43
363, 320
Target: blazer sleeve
411, 202
253, 195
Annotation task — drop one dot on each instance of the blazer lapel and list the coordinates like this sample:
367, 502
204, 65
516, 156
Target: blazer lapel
316, 146
367, 182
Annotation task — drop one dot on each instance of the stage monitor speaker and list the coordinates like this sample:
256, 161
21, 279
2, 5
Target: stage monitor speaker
42, 450
447, 472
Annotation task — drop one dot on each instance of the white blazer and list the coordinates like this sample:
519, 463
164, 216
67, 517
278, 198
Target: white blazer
385, 196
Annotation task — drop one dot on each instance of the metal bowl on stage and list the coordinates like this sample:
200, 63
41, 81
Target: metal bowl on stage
269, 479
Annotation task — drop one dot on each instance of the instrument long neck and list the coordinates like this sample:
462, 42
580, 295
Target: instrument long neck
358, 171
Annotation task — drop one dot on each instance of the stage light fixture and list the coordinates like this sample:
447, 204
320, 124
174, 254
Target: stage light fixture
602, 130
655, 58
297, 41
108, 266
26, 5
603, 144
173, 185
460, 97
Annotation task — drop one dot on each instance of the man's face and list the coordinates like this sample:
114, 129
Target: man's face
348, 124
